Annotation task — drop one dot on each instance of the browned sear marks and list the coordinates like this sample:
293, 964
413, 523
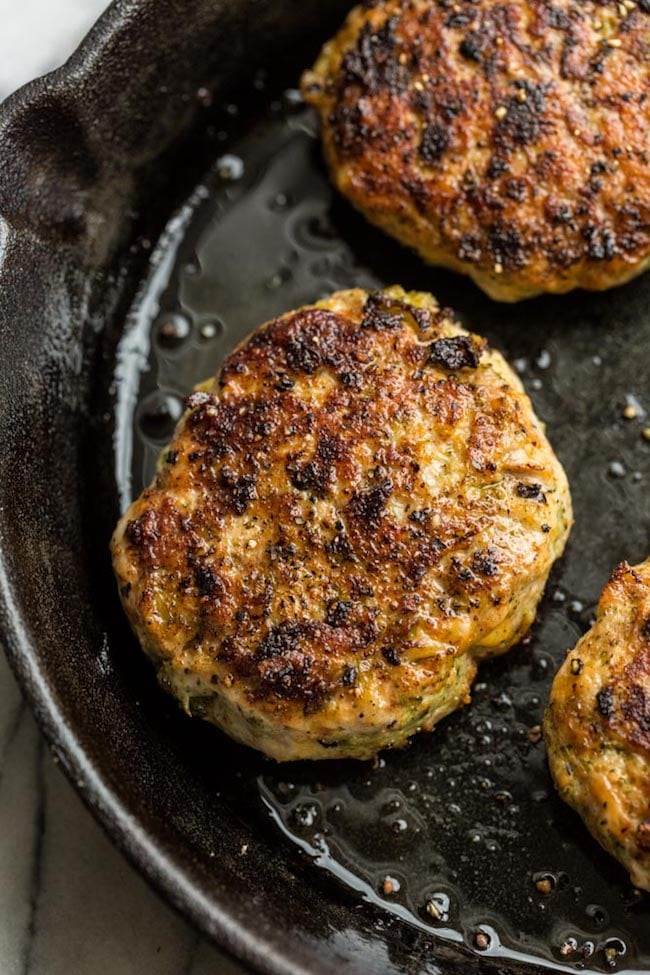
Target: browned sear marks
508, 141
597, 726
339, 538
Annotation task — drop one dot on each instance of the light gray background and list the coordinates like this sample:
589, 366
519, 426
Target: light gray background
69, 903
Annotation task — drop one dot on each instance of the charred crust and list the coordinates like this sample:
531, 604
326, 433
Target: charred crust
484, 563
391, 656
377, 314
284, 383
208, 582
240, 489
143, 534
635, 710
341, 547
368, 506
458, 352
605, 702
373, 63
317, 474
435, 141
524, 121
531, 492
424, 109
507, 247
338, 612
282, 640
472, 46
385, 313
350, 676
293, 680
303, 356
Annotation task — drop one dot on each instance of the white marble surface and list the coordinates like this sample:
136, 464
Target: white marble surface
69, 903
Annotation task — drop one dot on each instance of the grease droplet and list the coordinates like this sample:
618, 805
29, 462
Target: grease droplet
210, 330
278, 279
172, 330
616, 469
305, 815
293, 99
281, 201
230, 167
597, 915
158, 415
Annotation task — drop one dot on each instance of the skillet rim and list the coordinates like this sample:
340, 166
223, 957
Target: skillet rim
210, 916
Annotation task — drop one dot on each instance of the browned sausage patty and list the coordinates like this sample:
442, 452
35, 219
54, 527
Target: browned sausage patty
506, 140
597, 726
360, 508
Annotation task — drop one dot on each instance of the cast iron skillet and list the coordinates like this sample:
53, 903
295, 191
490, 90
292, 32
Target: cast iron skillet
95, 160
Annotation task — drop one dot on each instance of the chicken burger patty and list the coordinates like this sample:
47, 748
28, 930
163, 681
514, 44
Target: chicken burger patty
597, 725
360, 508
507, 141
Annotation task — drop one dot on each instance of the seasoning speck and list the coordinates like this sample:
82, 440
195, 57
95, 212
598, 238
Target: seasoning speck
433, 910
535, 734
568, 947
576, 666
481, 941
501, 112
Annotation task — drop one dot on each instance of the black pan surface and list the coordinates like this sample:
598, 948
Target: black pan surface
106, 323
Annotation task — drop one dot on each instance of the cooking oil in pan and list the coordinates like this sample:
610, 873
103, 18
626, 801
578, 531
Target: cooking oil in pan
461, 835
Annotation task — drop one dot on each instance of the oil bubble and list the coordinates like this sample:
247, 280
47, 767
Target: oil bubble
230, 168
616, 469
211, 329
281, 201
293, 99
280, 277
437, 906
597, 915
399, 826
314, 231
481, 940
158, 415
305, 815
172, 329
